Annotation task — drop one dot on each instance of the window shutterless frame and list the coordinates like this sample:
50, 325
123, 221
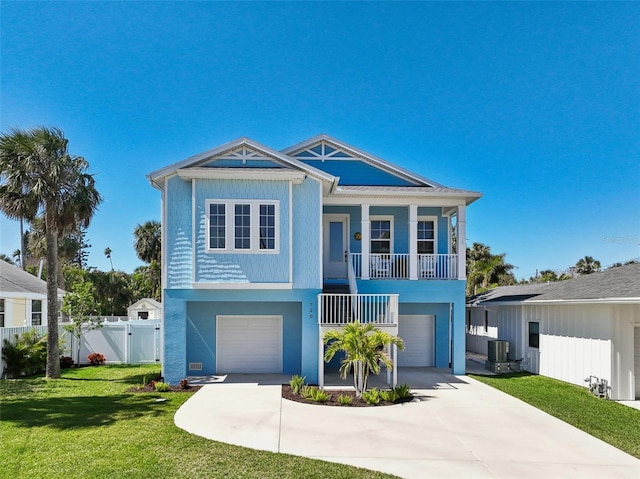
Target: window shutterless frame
242, 226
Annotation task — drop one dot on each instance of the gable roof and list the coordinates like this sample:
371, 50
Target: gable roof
368, 158
156, 177
614, 285
152, 302
15, 280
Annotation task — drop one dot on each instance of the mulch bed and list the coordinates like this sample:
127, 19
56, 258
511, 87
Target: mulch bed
333, 401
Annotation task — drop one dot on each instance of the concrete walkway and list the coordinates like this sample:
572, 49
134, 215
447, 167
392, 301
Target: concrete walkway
457, 427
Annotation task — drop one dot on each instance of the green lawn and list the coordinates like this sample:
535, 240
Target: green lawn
87, 425
614, 423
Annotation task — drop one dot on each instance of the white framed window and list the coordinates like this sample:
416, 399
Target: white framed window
36, 312
242, 226
427, 235
381, 236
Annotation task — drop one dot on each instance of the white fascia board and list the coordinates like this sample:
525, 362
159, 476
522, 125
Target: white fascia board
242, 285
394, 200
244, 141
242, 174
374, 160
25, 295
584, 301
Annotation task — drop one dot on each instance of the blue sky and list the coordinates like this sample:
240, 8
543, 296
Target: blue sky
536, 105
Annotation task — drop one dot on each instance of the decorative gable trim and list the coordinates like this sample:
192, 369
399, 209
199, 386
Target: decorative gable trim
235, 149
316, 148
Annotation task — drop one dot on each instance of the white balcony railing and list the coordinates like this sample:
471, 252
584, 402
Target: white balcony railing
337, 309
397, 266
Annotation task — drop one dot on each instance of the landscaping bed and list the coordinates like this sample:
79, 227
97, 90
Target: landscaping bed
287, 393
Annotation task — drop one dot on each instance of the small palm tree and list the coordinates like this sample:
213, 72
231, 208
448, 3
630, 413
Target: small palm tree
587, 265
365, 348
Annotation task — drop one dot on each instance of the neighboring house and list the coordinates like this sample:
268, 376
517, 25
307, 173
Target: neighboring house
568, 330
263, 250
23, 298
145, 308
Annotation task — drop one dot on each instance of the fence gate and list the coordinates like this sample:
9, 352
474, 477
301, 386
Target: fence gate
144, 342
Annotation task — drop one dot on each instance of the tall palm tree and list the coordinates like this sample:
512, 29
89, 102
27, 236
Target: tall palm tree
107, 253
148, 243
37, 174
364, 346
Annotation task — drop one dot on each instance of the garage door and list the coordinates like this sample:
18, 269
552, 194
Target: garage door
418, 335
249, 344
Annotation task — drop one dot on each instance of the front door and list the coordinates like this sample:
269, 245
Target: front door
335, 249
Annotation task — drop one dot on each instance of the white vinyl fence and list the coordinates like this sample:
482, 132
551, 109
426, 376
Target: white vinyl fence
128, 342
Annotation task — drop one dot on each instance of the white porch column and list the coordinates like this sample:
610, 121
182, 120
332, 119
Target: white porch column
413, 241
365, 231
462, 241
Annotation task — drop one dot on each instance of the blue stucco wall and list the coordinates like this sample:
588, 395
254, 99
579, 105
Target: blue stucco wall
357, 172
201, 331
190, 314
242, 267
178, 230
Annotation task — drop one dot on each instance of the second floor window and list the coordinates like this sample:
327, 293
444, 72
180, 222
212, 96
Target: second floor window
381, 235
426, 237
242, 226
36, 312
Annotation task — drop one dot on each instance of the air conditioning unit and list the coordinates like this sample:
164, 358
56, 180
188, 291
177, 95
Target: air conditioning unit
497, 350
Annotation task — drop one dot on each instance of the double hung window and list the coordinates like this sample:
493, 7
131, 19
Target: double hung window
36, 312
242, 226
381, 236
426, 236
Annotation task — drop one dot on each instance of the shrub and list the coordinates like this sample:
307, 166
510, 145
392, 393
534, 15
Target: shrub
372, 396
66, 362
402, 391
297, 383
319, 395
96, 359
26, 355
306, 391
184, 384
388, 395
161, 387
344, 400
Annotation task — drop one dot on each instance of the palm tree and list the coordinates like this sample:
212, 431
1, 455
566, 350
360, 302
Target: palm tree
38, 174
587, 265
364, 346
148, 242
107, 253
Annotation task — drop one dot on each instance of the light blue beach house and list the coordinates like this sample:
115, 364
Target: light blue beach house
263, 250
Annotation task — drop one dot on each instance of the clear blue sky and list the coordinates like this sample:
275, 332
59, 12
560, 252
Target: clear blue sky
536, 105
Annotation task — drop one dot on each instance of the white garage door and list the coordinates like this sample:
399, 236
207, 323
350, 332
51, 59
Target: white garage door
249, 344
417, 333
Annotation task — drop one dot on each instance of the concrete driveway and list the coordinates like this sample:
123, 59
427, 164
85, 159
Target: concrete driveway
457, 427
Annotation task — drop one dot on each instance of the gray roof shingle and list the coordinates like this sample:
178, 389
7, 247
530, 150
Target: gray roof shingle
15, 280
622, 282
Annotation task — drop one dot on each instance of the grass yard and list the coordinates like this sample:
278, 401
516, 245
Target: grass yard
614, 423
87, 425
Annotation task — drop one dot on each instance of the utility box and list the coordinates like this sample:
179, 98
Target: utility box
497, 350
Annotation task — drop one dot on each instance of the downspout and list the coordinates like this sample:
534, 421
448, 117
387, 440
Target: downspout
450, 334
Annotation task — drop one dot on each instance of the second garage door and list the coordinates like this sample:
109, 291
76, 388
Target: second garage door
417, 333
249, 344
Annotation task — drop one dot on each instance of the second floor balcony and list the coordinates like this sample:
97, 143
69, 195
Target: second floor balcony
404, 266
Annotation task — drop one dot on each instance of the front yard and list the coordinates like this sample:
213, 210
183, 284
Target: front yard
614, 423
87, 425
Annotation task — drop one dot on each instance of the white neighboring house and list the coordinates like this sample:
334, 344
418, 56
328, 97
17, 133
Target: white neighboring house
23, 298
567, 330
145, 308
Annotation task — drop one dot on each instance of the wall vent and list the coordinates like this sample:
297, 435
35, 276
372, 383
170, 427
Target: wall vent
195, 366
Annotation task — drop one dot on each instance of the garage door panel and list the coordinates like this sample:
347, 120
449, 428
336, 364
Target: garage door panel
249, 344
418, 334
